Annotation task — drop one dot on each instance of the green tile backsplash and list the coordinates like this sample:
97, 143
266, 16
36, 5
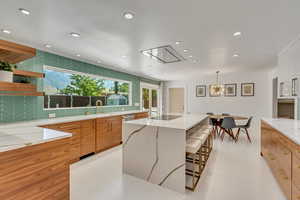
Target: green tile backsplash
21, 108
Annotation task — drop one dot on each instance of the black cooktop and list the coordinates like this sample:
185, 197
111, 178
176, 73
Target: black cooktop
166, 117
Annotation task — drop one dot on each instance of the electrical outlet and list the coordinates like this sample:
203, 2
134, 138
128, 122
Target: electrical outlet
51, 115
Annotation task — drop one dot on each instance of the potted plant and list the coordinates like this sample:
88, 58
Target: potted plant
6, 71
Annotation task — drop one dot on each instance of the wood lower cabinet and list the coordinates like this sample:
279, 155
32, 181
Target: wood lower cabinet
36, 172
141, 115
87, 137
108, 132
282, 156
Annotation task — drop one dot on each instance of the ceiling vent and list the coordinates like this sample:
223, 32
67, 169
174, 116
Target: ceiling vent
163, 54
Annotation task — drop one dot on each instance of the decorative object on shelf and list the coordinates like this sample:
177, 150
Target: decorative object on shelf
247, 89
230, 90
201, 91
6, 71
217, 89
295, 87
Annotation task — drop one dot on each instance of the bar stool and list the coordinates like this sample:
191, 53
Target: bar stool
198, 148
192, 149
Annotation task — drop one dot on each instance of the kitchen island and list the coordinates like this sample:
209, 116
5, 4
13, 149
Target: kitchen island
154, 149
280, 147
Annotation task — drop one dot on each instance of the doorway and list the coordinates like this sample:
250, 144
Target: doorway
150, 99
176, 100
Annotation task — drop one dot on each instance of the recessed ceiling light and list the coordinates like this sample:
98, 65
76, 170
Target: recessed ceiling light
99, 61
77, 35
6, 31
24, 11
48, 45
178, 42
124, 56
78, 55
185, 50
194, 61
236, 55
236, 34
128, 15
190, 56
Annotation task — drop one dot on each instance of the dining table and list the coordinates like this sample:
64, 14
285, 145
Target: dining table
219, 119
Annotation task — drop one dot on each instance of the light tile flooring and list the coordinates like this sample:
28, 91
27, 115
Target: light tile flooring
234, 172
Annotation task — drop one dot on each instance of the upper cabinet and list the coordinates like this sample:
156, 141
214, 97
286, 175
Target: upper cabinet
14, 53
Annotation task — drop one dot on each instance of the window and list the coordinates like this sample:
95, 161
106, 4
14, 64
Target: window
69, 89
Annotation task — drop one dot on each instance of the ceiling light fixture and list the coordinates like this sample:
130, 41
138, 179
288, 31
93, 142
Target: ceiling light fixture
190, 56
194, 61
236, 55
128, 15
24, 11
77, 35
6, 31
185, 50
237, 34
124, 56
48, 45
178, 42
217, 89
99, 61
78, 55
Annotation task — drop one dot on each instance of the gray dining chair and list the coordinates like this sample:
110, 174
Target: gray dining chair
210, 113
225, 114
227, 125
245, 127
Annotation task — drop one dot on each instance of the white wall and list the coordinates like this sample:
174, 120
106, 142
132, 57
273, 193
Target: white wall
259, 106
289, 65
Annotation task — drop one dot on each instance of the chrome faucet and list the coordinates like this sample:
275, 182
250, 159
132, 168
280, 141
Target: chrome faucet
99, 103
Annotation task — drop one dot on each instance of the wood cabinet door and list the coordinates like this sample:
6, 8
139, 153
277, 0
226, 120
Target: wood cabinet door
296, 171
75, 146
295, 192
103, 134
141, 115
116, 130
87, 137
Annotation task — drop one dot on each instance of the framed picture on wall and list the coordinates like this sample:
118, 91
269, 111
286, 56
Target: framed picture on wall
201, 91
230, 90
247, 89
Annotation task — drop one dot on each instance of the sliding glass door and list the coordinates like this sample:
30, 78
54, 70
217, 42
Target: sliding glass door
150, 99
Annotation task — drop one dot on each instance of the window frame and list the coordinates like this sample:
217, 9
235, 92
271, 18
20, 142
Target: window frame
45, 67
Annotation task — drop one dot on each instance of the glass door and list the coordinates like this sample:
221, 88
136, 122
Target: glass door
150, 99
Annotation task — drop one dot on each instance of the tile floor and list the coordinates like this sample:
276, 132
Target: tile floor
234, 172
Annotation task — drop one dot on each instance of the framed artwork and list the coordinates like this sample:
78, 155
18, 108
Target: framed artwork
230, 90
214, 91
201, 91
247, 89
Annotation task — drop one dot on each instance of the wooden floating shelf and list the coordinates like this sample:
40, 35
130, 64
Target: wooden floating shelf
28, 73
14, 53
17, 87
23, 94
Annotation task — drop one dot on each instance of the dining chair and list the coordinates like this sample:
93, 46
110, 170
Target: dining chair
245, 127
210, 113
227, 125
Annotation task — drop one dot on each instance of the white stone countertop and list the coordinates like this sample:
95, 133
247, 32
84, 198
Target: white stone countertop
288, 127
184, 122
20, 134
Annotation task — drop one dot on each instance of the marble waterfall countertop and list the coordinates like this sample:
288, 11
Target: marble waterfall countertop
184, 122
288, 127
20, 134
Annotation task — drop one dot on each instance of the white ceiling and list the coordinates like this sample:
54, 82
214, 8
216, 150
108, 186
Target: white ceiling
204, 26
